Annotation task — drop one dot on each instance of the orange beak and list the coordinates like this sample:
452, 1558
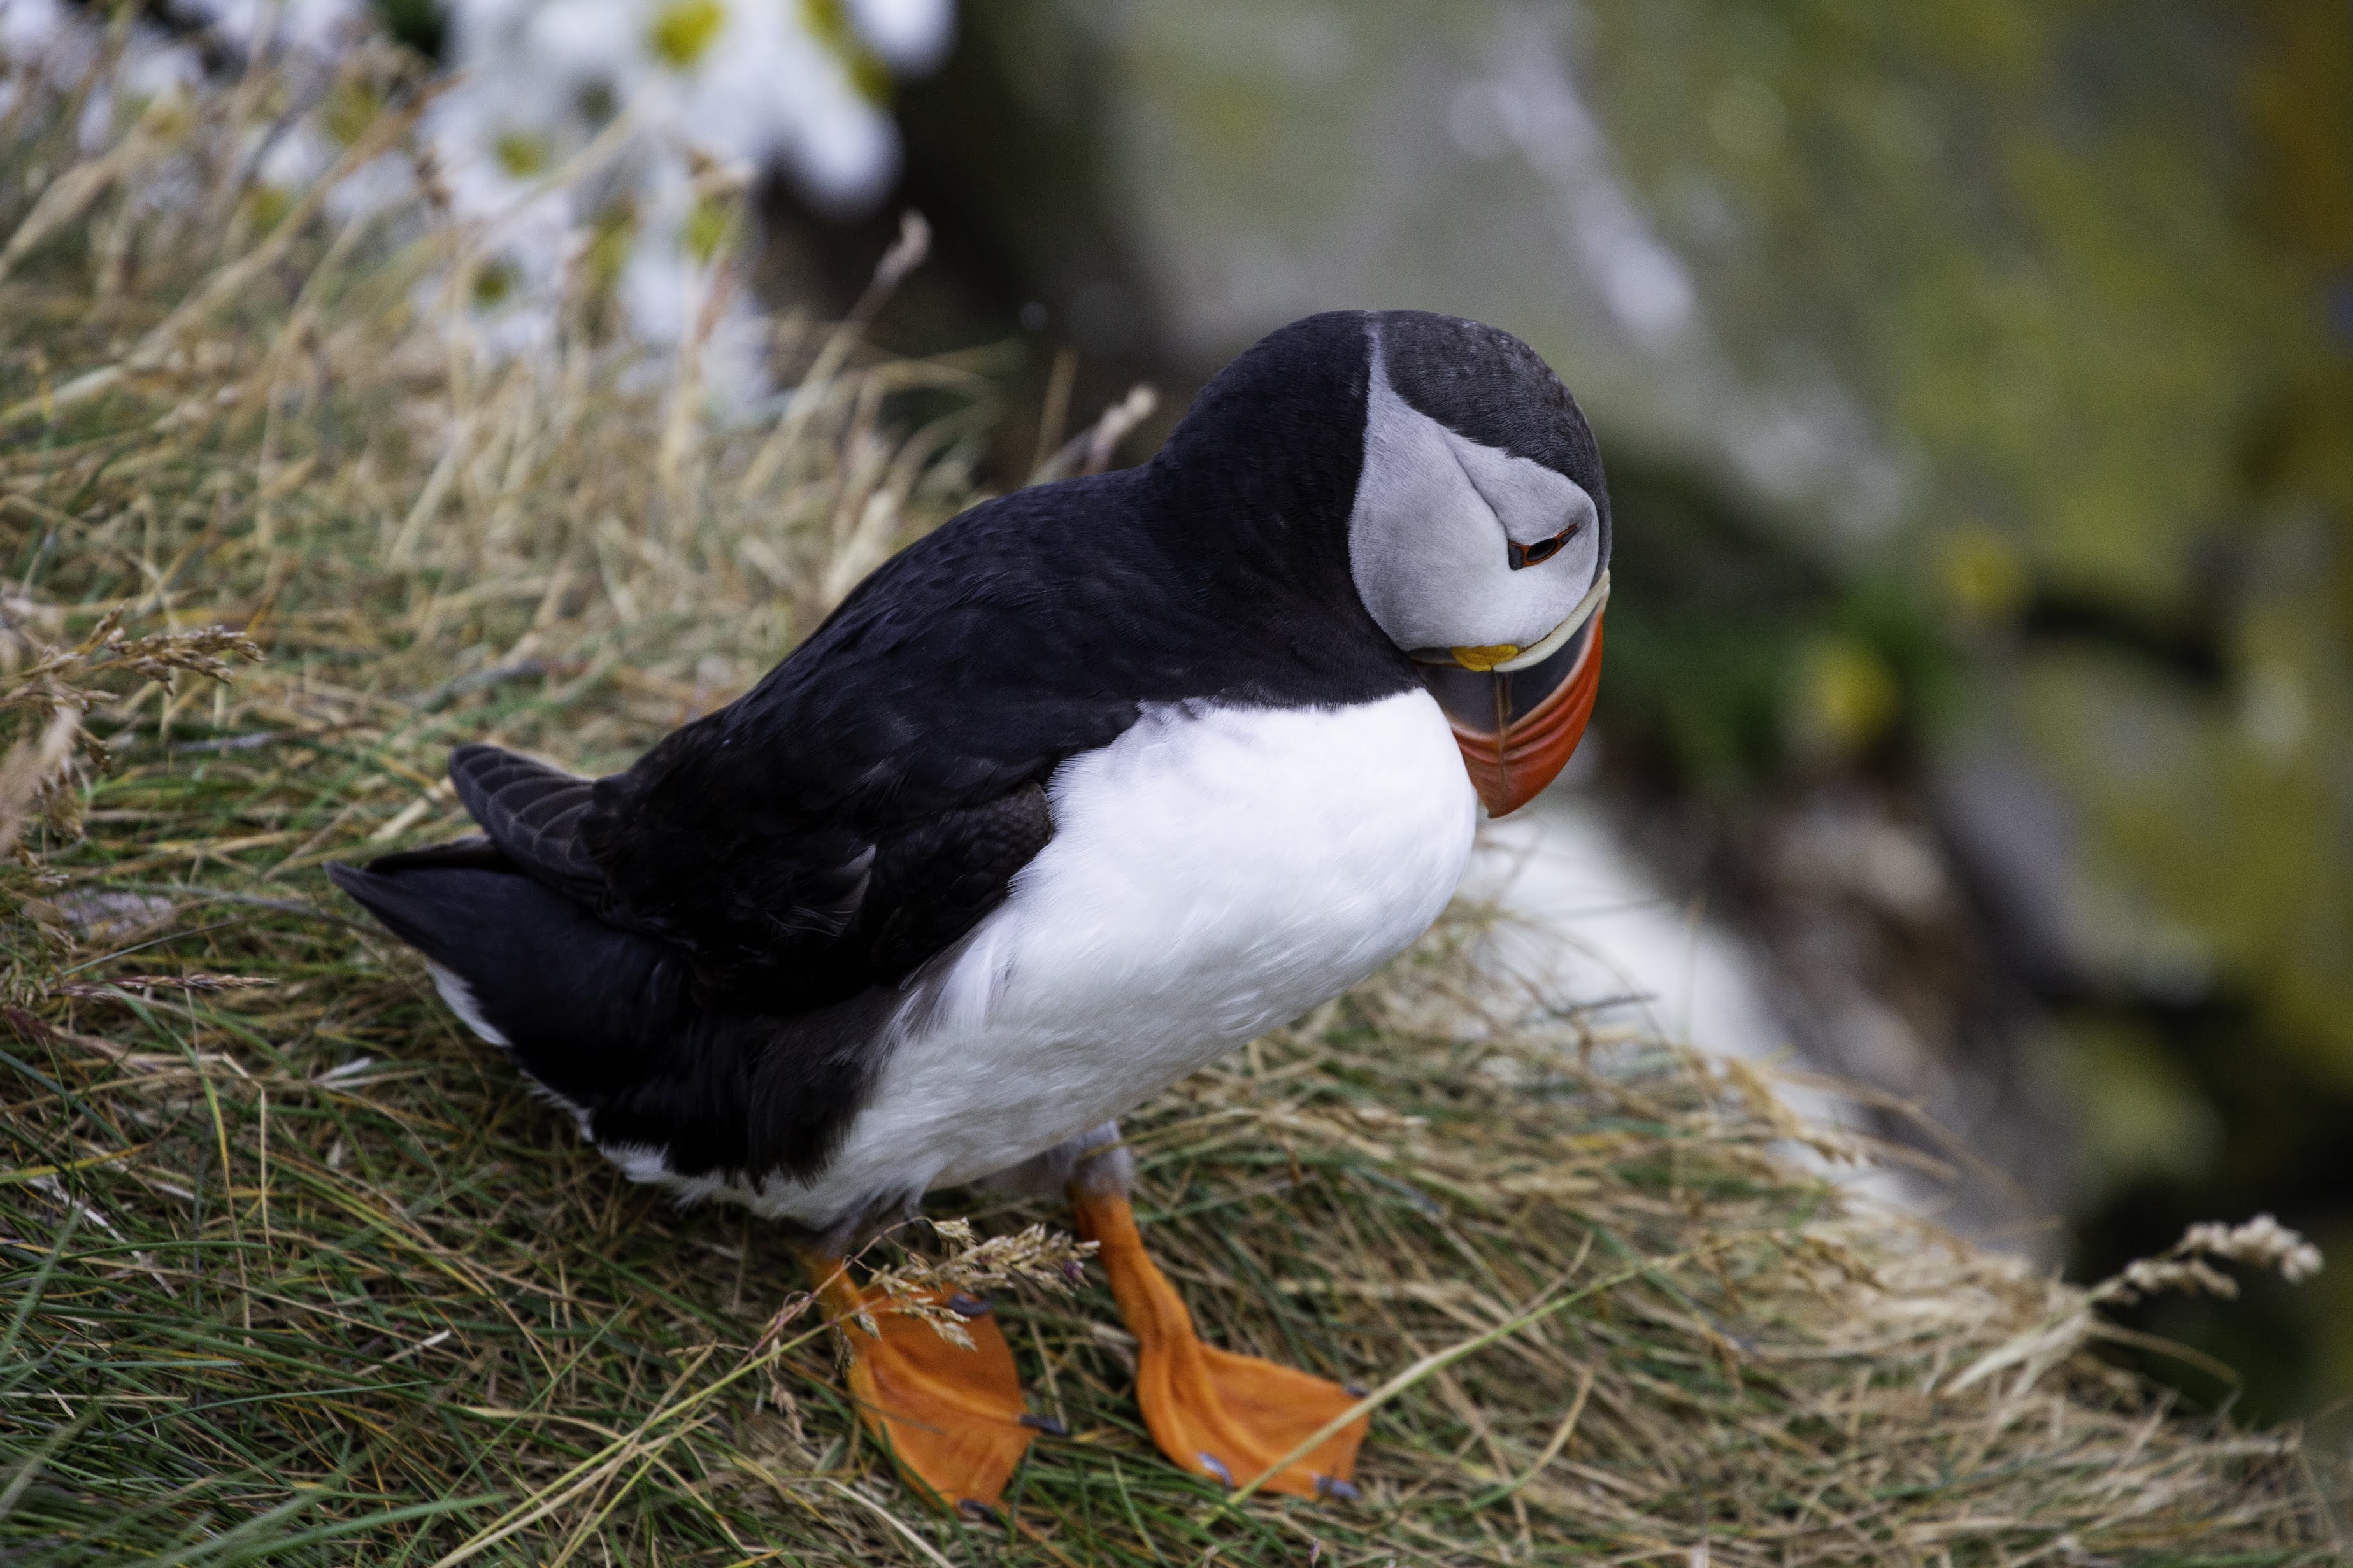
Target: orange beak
1518, 728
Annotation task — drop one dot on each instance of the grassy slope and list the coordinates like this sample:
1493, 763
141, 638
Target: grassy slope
296, 1270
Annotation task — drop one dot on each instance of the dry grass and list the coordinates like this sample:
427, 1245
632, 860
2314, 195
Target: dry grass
295, 1270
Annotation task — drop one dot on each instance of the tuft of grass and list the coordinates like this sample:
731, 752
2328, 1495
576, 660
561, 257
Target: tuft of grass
295, 1270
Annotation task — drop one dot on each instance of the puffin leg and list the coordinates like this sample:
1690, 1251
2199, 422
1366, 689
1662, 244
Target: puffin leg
1230, 1418
952, 1420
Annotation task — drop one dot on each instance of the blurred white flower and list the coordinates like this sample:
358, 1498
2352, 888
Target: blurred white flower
320, 29
707, 93
912, 36
59, 42
44, 35
610, 133
794, 88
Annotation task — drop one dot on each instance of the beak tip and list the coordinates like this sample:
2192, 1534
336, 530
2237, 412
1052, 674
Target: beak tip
1503, 802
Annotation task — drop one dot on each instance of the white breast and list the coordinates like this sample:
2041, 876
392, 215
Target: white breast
1213, 873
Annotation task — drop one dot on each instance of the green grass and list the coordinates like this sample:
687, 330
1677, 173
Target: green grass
298, 1271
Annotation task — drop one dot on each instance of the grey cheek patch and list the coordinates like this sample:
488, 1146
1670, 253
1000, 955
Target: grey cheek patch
1436, 513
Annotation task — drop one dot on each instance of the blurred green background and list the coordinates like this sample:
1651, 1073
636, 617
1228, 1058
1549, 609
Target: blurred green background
1976, 382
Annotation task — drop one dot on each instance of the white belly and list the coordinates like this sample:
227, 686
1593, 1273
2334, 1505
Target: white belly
1213, 873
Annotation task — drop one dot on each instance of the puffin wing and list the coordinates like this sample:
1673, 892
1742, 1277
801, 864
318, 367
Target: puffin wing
533, 813
789, 898
872, 797
934, 881
747, 1057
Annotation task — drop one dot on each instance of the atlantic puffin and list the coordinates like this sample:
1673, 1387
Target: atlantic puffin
1087, 787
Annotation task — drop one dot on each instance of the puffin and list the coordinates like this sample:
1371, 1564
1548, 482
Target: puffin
1090, 785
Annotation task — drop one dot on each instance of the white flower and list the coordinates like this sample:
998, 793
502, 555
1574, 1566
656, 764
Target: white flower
913, 36
612, 131
744, 85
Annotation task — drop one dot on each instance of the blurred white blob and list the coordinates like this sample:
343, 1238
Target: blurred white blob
320, 29
1530, 104
912, 36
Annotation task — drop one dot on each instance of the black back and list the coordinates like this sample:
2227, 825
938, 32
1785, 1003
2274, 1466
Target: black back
969, 666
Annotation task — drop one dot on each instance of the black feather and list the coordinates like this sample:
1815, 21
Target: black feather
578, 1000
609, 1019
533, 813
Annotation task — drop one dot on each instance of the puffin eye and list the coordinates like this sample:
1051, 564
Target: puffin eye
1543, 548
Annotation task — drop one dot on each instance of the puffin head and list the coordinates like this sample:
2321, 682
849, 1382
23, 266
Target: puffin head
1427, 486
1479, 540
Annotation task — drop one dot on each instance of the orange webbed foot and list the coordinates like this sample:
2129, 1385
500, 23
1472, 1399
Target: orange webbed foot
1230, 1418
952, 1418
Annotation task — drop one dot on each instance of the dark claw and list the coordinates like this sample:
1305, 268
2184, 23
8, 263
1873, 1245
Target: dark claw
1217, 1468
1332, 1486
973, 1509
1355, 1389
965, 1306
1045, 1424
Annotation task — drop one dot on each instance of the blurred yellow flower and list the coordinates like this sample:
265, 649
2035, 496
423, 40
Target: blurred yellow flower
267, 205
706, 228
351, 107
521, 153
683, 30
829, 22
1847, 697
615, 231
1982, 576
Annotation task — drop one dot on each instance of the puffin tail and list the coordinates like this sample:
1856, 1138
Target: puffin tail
583, 1005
